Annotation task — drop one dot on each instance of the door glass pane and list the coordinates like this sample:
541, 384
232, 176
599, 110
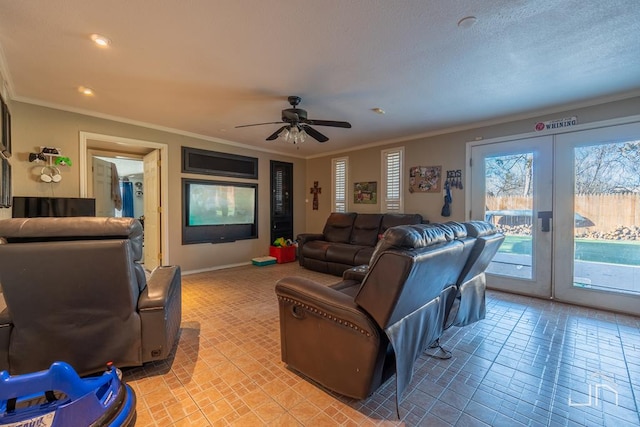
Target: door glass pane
606, 211
509, 206
278, 192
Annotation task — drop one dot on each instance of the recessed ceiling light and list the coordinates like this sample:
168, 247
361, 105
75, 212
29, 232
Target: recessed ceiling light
378, 110
101, 41
467, 22
85, 90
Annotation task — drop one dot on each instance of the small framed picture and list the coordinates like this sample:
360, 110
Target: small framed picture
365, 192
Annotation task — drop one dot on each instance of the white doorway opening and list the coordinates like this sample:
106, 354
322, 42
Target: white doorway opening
129, 177
156, 185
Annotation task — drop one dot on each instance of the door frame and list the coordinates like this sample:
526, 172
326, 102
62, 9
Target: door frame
120, 143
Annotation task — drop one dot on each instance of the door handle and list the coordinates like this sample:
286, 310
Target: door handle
546, 216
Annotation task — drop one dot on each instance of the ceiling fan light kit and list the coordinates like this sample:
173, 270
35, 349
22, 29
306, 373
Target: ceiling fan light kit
295, 135
297, 127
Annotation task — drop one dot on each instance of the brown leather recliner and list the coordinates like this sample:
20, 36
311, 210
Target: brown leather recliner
352, 336
73, 290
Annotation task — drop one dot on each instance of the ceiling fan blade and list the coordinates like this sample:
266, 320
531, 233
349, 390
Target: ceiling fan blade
329, 123
276, 133
315, 134
258, 124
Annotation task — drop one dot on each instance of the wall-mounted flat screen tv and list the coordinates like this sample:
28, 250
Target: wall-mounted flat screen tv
32, 207
218, 211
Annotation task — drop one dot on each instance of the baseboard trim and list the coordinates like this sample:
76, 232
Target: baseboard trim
217, 267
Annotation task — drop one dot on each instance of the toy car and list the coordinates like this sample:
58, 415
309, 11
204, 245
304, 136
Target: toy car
58, 397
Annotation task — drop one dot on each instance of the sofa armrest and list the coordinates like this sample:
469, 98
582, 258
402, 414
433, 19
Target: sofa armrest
160, 308
301, 240
155, 294
325, 301
328, 338
356, 273
307, 237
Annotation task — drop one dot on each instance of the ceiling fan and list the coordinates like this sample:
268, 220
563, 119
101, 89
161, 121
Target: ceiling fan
298, 126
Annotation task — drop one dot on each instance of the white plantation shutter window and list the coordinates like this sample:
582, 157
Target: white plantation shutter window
392, 180
339, 174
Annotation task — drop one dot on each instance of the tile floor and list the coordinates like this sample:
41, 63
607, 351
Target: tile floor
530, 362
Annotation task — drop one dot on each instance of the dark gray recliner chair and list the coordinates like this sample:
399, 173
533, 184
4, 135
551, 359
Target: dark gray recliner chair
73, 290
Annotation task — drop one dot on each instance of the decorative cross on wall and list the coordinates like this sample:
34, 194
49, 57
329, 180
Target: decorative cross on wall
315, 190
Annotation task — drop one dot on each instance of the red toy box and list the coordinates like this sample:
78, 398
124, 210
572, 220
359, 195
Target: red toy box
283, 254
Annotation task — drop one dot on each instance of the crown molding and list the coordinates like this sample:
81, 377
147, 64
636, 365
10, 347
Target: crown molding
453, 129
149, 126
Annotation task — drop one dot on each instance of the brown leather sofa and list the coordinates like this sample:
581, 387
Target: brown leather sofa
352, 336
347, 240
73, 290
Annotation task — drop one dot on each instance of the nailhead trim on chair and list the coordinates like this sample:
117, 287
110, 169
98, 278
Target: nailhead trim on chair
324, 314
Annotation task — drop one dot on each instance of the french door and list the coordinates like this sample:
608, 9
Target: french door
597, 185
569, 206
511, 186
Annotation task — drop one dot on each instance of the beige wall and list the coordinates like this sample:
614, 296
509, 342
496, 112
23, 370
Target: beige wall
447, 150
35, 126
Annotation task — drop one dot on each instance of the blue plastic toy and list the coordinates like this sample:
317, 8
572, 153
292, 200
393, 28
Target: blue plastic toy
58, 397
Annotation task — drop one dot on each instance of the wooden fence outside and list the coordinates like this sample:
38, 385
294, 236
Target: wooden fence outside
606, 211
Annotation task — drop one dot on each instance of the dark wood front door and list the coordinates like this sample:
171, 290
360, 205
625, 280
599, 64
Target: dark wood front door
281, 200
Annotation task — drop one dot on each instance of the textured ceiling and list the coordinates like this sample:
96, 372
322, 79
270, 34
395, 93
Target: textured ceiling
204, 67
